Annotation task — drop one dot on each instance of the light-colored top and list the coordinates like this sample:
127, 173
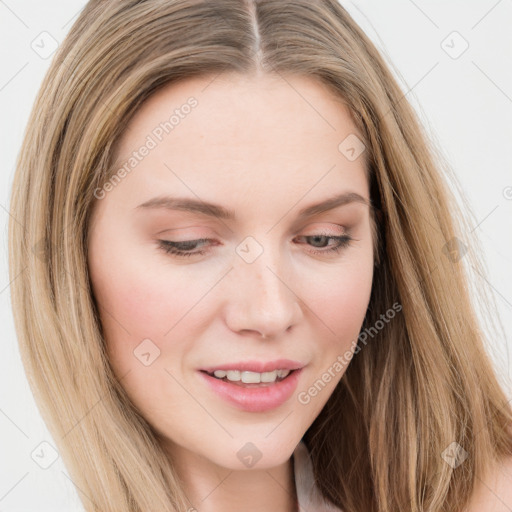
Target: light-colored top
308, 494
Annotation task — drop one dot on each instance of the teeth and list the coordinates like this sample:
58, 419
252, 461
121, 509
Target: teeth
251, 377
269, 376
233, 375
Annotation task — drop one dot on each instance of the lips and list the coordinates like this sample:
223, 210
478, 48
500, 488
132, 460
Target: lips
256, 366
254, 397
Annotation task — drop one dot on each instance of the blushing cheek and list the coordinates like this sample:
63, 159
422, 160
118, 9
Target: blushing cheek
126, 316
139, 309
342, 307
145, 305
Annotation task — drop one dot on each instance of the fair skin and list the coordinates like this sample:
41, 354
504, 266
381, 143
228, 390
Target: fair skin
257, 147
493, 493
265, 148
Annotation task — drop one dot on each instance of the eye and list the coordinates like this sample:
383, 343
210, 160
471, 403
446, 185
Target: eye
342, 241
186, 248
182, 248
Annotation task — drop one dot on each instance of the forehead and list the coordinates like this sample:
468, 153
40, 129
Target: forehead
241, 111
246, 134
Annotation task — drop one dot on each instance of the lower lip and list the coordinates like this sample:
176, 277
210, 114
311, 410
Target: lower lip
255, 399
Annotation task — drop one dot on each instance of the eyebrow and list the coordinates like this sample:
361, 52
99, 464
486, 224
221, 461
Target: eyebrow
219, 212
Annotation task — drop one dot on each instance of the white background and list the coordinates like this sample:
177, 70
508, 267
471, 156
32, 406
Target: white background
465, 103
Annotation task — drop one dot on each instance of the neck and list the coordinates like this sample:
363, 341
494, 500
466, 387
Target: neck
211, 488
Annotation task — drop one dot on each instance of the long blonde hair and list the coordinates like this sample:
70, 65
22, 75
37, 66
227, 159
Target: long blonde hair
423, 383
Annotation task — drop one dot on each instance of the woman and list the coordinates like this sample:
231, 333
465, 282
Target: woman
247, 289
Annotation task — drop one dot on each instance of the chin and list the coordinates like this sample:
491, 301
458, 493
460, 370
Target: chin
258, 453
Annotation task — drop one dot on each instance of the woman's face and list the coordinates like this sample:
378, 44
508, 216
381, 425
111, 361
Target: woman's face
264, 151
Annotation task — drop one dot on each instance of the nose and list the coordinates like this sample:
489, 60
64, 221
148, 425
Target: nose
261, 297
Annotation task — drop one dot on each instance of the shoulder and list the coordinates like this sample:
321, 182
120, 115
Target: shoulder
494, 493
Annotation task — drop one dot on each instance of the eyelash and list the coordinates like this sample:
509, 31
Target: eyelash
172, 247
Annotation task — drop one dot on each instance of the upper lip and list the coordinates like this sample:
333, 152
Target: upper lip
256, 366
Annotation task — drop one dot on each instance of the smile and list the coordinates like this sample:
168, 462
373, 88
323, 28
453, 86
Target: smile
248, 377
257, 395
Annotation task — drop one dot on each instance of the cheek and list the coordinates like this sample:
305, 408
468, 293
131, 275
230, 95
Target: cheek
340, 303
137, 303
137, 306
339, 307
139, 293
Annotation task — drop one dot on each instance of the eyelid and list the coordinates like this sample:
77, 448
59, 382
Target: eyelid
313, 225
337, 230
334, 229
172, 230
